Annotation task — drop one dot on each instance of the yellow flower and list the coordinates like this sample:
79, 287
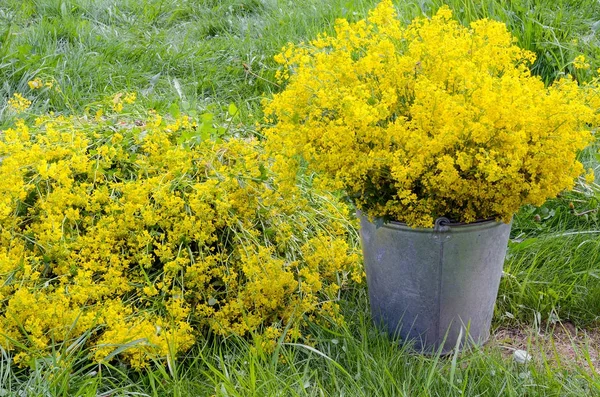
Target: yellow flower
35, 84
130, 98
580, 62
590, 176
18, 103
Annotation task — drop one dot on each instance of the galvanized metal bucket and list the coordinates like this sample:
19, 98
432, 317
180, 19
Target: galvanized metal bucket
434, 287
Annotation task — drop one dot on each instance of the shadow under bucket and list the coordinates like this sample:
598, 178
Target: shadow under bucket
434, 287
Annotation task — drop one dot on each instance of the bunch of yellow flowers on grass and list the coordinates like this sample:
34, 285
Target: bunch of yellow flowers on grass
125, 234
428, 120
18, 103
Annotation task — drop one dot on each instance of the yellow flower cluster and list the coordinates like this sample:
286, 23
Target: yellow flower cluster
37, 84
427, 120
580, 62
119, 99
119, 232
18, 103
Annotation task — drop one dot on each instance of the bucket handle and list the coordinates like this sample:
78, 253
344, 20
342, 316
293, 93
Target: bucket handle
442, 224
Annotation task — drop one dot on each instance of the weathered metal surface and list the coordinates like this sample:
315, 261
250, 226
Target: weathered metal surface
434, 286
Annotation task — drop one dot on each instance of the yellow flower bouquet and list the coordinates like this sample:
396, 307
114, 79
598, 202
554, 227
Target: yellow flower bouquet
428, 120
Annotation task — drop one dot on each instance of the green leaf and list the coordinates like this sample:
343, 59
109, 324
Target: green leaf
521, 245
63, 10
205, 130
174, 110
121, 348
263, 172
206, 127
185, 137
233, 110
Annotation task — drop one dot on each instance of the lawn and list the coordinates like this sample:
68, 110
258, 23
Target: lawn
213, 60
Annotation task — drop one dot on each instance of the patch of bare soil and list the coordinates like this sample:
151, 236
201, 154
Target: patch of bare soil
561, 345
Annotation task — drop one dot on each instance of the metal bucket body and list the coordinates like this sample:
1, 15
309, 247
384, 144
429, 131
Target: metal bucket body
431, 286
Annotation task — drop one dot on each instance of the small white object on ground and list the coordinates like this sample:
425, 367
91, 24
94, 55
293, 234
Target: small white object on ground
521, 356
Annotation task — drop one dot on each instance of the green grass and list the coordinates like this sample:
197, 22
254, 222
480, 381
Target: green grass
175, 51
552, 269
203, 52
353, 360
210, 53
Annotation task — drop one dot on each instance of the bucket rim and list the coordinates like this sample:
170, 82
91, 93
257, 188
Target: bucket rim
454, 227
